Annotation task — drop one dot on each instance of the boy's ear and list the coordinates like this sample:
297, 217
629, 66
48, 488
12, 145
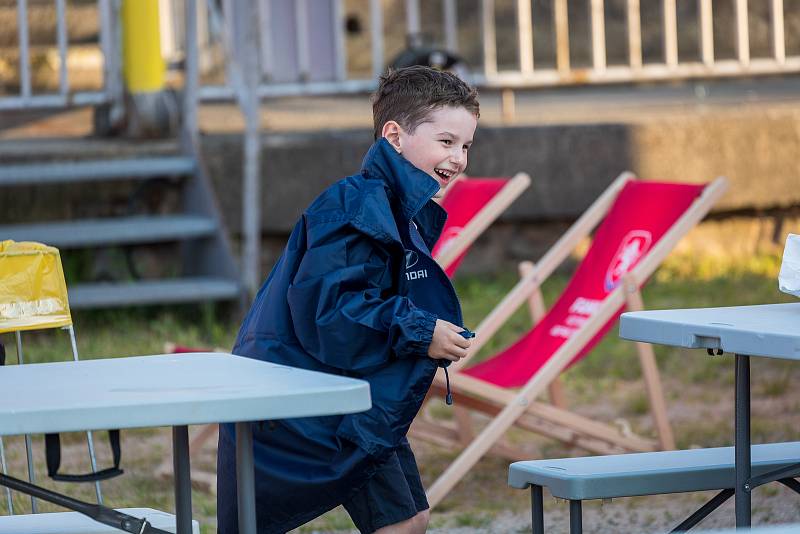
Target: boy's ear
391, 132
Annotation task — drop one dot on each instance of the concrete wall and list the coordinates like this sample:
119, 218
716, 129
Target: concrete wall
570, 166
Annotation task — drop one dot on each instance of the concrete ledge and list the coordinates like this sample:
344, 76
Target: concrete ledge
569, 165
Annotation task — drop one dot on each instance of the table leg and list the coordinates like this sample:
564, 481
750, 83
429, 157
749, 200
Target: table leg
245, 478
31, 471
742, 441
28, 443
183, 482
575, 517
537, 510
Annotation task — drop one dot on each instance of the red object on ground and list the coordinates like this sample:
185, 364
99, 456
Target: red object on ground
639, 217
180, 349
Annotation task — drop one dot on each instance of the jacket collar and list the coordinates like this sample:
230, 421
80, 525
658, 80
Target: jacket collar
408, 186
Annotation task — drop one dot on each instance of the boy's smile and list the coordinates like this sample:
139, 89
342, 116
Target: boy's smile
439, 145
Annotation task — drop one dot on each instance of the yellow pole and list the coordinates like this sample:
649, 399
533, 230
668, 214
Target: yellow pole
143, 67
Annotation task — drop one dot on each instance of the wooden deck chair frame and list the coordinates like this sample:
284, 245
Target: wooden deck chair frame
520, 406
483, 219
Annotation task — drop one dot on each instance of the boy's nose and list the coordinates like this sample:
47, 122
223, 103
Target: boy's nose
458, 156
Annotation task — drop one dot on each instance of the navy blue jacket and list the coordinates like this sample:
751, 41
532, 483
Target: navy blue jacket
355, 293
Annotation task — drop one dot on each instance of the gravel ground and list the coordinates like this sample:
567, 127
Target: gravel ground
700, 409
771, 505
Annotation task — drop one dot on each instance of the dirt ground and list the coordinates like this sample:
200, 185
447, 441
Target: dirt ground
699, 396
605, 387
701, 414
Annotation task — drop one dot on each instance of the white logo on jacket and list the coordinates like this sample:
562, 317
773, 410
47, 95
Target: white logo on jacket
412, 258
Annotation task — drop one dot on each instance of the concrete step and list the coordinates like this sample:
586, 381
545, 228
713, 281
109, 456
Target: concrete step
88, 171
117, 231
168, 291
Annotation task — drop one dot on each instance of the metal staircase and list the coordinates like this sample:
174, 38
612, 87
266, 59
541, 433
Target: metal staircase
192, 234
84, 194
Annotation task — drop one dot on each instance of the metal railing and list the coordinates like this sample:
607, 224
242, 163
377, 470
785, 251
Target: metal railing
636, 69
299, 47
317, 53
109, 37
303, 48
314, 51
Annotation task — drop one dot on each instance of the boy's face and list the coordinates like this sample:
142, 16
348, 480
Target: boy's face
439, 145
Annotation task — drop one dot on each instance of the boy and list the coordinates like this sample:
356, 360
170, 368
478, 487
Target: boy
356, 293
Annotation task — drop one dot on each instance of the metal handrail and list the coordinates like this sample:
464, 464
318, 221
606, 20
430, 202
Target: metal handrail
636, 70
526, 74
111, 91
301, 75
313, 68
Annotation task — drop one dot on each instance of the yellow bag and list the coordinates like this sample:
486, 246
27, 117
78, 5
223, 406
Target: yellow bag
33, 293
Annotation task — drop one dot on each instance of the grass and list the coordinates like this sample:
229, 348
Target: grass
698, 388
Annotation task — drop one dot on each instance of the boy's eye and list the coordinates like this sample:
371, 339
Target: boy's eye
447, 142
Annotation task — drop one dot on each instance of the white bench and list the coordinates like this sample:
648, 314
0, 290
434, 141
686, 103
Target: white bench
649, 473
76, 523
773, 529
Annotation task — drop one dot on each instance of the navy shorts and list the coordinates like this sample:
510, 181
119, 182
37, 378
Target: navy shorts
393, 494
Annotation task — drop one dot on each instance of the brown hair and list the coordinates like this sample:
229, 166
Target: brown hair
410, 94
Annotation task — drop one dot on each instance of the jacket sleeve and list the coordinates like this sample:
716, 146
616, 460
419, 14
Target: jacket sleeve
343, 308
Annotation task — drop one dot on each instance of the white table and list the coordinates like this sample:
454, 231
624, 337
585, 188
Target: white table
771, 330
173, 390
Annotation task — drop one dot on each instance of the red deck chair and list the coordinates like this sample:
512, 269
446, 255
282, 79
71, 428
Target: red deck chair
472, 204
642, 222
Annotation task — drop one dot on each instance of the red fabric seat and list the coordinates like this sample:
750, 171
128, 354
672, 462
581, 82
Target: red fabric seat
464, 199
641, 214
636, 225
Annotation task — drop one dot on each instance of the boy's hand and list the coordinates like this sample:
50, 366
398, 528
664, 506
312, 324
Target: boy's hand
447, 343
